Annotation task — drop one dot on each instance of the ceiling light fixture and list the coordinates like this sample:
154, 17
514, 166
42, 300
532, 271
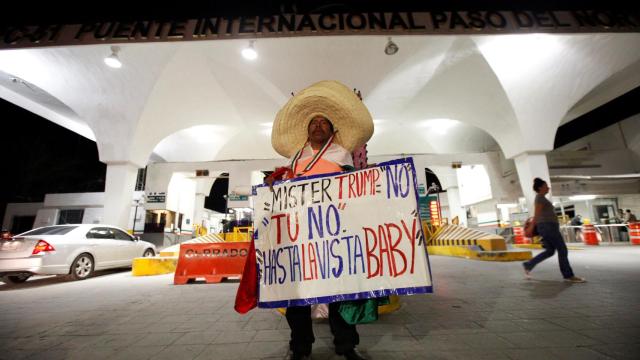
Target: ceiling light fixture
582, 197
250, 52
113, 60
391, 48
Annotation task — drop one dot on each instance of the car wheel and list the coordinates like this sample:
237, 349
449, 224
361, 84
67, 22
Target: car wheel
82, 267
149, 253
16, 279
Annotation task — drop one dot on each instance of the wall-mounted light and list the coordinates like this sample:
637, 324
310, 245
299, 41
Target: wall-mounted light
250, 52
391, 48
113, 60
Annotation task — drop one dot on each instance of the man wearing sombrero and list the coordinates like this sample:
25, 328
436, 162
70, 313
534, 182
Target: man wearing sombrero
317, 130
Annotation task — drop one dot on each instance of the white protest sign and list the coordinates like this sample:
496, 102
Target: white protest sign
341, 236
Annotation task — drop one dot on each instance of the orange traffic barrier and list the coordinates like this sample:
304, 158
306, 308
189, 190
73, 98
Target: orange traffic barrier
634, 233
211, 261
518, 236
589, 234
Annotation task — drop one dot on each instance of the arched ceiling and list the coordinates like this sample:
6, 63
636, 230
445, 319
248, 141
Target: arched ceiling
198, 101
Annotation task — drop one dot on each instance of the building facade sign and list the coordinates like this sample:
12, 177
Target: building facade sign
156, 197
288, 25
237, 197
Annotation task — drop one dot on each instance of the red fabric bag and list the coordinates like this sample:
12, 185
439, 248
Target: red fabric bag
247, 295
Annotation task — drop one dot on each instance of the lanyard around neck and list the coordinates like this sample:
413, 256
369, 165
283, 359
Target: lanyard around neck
316, 157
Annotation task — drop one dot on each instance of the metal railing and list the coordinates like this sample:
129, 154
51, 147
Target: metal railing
606, 233
609, 233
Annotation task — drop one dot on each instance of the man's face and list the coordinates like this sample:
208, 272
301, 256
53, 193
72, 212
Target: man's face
319, 129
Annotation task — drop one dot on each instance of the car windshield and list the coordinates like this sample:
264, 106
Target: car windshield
50, 230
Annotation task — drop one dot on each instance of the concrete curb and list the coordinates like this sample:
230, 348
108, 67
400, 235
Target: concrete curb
468, 253
539, 246
157, 265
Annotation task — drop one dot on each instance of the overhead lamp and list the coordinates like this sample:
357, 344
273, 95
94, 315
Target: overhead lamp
582, 197
113, 60
391, 48
250, 52
507, 205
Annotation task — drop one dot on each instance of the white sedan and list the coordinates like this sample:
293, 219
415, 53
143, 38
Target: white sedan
74, 250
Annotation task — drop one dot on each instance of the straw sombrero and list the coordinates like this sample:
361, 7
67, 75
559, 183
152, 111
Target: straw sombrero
331, 99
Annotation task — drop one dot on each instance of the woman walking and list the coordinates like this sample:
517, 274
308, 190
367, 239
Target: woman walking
548, 227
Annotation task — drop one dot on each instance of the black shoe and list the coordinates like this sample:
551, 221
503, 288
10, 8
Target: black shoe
353, 354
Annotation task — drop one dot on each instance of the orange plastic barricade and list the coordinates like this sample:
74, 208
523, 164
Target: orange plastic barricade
589, 234
634, 233
211, 261
518, 236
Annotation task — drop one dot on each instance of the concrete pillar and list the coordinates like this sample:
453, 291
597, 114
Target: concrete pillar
531, 165
453, 196
421, 176
198, 210
203, 188
118, 193
239, 183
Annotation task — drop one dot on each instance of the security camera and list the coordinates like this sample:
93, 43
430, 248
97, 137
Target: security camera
391, 48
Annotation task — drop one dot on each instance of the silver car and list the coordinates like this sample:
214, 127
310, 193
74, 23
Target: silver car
74, 250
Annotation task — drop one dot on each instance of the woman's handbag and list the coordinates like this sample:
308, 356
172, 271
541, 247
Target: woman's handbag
530, 228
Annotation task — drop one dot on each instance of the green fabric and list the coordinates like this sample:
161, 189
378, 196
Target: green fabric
384, 301
361, 311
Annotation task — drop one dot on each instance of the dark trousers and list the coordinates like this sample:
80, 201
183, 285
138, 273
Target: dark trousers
345, 336
553, 241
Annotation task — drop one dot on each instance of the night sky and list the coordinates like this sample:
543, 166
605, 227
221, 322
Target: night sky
40, 157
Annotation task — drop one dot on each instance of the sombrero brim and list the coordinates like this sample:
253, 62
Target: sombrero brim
331, 99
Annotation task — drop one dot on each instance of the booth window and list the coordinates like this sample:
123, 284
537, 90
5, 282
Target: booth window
71, 216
